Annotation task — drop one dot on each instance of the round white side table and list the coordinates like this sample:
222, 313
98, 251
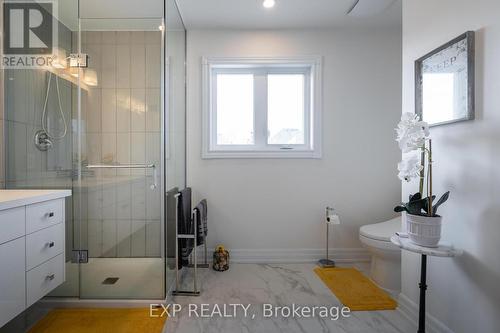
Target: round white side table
440, 251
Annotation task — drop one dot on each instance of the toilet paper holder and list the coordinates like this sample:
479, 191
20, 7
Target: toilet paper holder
331, 218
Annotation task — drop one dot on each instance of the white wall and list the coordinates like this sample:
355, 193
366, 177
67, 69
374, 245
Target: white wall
278, 204
463, 293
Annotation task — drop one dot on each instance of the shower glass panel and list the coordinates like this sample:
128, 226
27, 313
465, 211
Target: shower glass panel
176, 118
40, 112
98, 129
121, 152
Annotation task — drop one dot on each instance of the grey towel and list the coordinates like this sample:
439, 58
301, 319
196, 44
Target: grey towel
201, 222
185, 226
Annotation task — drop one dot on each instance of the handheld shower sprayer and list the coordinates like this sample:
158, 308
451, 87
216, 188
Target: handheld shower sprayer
44, 138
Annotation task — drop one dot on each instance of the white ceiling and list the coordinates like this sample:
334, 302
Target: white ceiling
287, 14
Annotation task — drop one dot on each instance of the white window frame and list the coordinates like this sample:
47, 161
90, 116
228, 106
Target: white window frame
310, 66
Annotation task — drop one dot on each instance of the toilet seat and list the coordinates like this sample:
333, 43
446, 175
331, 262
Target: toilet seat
378, 244
381, 232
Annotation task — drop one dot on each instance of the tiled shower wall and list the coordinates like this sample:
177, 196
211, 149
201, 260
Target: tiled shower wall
24, 92
28, 167
122, 126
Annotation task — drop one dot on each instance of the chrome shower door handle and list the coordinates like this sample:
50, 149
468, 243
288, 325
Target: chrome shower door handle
130, 166
121, 166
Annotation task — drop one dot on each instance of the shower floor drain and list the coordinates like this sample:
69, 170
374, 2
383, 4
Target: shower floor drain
110, 280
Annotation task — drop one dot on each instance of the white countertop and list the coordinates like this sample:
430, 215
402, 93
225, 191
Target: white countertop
17, 198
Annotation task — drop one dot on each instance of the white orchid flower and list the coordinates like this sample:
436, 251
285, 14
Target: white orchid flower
410, 167
411, 132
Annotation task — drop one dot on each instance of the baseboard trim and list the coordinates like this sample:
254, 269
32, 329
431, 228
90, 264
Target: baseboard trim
409, 309
282, 256
74, 302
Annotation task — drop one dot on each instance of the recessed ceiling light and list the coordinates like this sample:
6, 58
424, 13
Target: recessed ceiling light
269, 3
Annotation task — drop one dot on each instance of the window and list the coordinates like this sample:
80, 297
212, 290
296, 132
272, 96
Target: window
261, 108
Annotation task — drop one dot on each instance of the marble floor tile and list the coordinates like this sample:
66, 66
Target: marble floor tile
277, 285
280, 285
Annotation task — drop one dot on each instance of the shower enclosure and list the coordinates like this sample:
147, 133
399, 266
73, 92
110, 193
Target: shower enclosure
105, 119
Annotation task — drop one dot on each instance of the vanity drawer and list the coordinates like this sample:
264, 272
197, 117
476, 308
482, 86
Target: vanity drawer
43, 279
44, 214
43, 245
12, 224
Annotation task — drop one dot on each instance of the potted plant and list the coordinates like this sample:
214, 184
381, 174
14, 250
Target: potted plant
422, 221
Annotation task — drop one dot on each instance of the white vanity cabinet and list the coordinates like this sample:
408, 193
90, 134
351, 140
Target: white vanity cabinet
12, 279
32, 258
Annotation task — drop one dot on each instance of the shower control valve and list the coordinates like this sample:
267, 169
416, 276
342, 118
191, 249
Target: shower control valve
42, 140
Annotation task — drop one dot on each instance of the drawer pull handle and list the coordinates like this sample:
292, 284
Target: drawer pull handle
51, 277
51, 214
50, 244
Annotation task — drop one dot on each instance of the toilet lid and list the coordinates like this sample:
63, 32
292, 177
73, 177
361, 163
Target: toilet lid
381, 231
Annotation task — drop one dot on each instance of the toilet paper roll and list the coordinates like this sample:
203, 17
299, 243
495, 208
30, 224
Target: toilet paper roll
333, 219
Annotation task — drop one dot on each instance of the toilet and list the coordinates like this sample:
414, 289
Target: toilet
386, 257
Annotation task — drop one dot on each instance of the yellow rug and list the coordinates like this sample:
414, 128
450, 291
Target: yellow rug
355, 290
99, 321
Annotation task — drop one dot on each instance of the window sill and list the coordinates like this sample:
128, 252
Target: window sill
220, 154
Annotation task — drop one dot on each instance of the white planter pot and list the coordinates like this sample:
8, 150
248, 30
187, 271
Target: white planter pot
424, 230
403, 222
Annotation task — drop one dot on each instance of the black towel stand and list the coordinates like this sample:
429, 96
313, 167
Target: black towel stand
195, 265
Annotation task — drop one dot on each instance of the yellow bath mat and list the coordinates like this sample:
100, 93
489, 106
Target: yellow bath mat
99, 321
355, 290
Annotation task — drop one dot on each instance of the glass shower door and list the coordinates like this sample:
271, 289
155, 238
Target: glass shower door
40, 111
97, 128
120, 156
